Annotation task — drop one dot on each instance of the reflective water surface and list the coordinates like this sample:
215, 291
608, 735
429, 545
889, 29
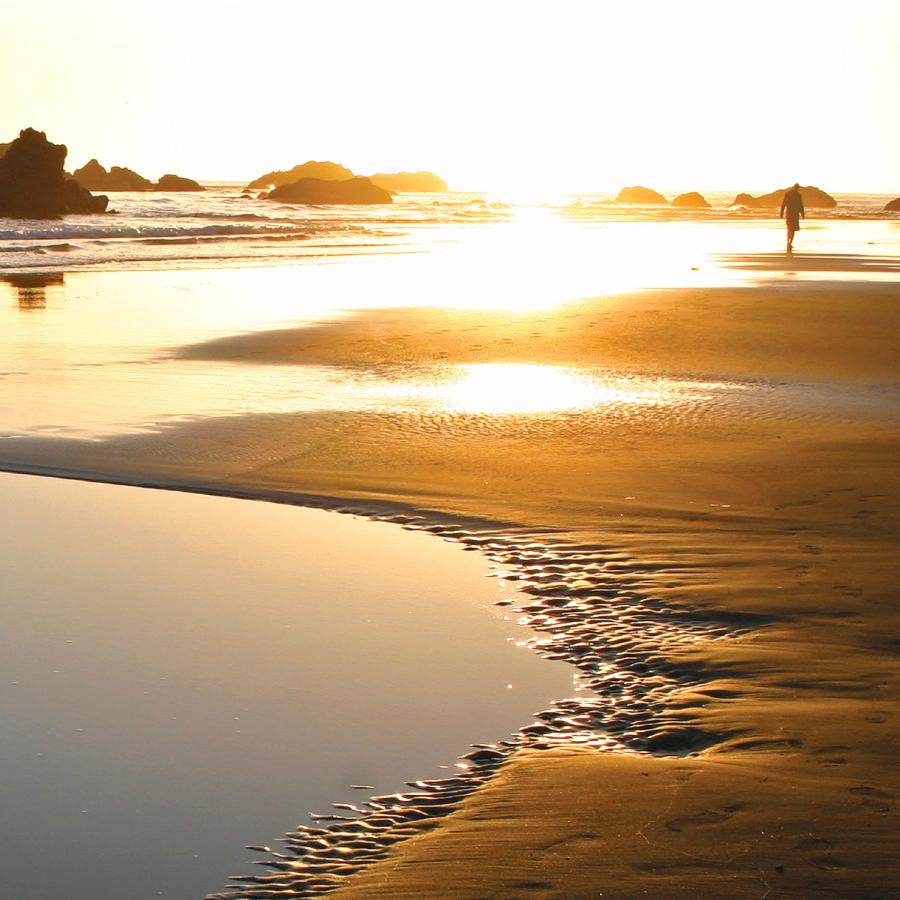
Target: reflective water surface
183, 675
86, 354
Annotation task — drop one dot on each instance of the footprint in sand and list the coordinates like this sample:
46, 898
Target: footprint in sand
705, 818
875, 799
831, 756
872, 792
811, 843
828, 862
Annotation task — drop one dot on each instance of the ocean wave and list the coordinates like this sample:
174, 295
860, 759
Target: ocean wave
218, 238
39, 248
113, 232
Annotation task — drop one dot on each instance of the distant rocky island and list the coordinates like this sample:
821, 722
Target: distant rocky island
33, 182
323, 171
320, 191
893, 206
354, 185
423, 182
691, 200
174, 183
638, 194
645, 195
813, 198
95, 177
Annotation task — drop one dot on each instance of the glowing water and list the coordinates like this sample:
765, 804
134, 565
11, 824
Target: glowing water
183, 675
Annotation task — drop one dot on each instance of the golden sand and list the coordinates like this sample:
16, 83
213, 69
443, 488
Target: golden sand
789, 512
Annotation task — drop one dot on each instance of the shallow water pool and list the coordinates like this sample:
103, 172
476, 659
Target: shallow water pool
182, 675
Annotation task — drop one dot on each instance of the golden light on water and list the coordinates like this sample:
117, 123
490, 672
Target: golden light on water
511, 388
518, 388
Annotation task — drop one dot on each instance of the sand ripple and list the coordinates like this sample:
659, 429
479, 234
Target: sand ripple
589, 605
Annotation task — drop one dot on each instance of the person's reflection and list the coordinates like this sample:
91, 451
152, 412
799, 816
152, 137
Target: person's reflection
31, 287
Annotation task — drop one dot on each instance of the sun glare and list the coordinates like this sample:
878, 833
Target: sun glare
569, 99
510, 388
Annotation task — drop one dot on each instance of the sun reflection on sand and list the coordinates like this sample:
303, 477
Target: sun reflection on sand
524, 388
518, 388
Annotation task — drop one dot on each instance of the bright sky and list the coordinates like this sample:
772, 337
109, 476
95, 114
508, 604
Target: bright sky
675, 94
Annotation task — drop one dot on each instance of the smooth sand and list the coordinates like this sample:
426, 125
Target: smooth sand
790, 513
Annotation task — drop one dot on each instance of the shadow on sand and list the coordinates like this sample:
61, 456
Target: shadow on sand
803, 262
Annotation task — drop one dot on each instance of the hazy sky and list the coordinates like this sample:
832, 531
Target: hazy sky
677, 94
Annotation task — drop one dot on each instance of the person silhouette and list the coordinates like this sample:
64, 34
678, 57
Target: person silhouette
792, 211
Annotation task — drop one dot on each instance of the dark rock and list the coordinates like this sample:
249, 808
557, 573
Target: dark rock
323, 171
409, 181
639, 194
315, 191
4, 148
893, 206
813, 198
177, 183
33, 183
81, 200
95, 178
692, 199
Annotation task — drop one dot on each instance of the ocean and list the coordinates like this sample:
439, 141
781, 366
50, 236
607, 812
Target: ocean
223, 226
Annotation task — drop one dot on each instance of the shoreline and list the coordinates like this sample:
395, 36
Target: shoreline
741, 565
573, 723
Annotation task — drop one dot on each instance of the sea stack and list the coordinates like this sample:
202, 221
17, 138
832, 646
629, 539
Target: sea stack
421, 182
813, 198
691, 200
324, 171
638, 194
893, 206
318, 191
33, 182
94, 177
177, 183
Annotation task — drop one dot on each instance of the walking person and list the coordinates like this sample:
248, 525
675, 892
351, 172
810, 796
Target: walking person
792, 211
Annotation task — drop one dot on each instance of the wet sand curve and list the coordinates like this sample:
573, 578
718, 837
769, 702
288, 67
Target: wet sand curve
786, 522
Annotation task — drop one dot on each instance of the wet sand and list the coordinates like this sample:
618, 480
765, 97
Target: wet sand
724, 577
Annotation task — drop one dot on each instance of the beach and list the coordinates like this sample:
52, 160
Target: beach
693, 479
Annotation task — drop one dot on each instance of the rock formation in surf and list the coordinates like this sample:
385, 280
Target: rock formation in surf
33, 182
177, 183
323, 171
79, 199
316, 191
893, 206
409, 181
813, 198
693, 199
638, 194
95, 178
